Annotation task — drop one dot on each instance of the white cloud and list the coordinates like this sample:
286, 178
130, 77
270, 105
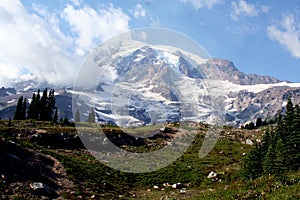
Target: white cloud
139, 11
198, 4
93, 26
32, 40
242, 8
10, 74
287, 34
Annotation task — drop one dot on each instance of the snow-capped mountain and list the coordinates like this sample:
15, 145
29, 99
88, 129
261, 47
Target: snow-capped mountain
154, 84
146, 84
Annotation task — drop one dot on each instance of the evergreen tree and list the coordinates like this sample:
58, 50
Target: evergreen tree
50, 106
77, 116
91, 117
269, 159
34, 107
249, 126
259, 122
31, 108
252, 167
265, 142
279, 130
289, 111
295, 140
64, 121
280, 166
288, 148
30, 111
37, 106
43, 106
18, 112
55, 118
24, 107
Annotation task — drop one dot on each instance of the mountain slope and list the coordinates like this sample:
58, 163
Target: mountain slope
182, 86
154, 84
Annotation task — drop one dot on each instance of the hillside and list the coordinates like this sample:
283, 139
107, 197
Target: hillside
37, 152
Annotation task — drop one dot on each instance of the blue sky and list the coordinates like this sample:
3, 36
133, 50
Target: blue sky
46, 40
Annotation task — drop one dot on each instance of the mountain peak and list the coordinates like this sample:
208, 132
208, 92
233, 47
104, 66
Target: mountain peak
222, 63
222, 69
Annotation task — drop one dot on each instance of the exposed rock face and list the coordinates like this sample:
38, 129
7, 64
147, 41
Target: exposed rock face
7, 91
248, 106
221, 69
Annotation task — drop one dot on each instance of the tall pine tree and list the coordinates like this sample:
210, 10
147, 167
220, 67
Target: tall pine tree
269, 160
43, 106
280, 165
296, 139
18, 112
34, 107
23, 111
50, 105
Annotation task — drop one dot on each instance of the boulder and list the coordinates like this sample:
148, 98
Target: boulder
249, 142
182, 191
212, 174
166, 185
177, 186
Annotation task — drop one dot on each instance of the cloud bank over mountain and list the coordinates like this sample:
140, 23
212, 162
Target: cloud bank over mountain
35, 46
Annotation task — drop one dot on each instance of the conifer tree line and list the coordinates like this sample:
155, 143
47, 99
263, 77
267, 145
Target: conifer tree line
279, 150
41, 107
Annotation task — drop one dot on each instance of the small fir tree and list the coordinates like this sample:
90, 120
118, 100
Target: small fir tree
77, 116
269, 159
252, 167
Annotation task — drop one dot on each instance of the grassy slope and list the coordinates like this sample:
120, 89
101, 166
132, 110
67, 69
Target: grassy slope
93, 178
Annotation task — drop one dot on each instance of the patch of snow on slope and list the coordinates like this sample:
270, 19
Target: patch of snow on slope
139, 58
28, 88
194, 57
123, 121
223, 87
11, 101
284, 103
